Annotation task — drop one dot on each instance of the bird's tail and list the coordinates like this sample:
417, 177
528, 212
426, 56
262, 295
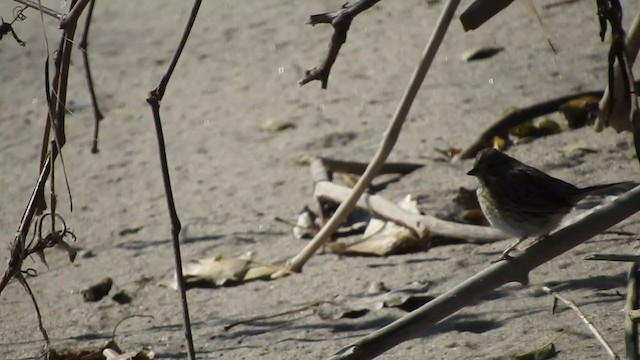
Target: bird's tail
608, 189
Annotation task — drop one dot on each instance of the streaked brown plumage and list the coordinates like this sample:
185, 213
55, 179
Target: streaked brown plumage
521, 200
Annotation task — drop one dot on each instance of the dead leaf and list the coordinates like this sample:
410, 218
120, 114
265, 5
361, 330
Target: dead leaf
384, 237
220, 271
579, 111
548, 127
348, 180
524, 129
407, 298
306, 227
530, 128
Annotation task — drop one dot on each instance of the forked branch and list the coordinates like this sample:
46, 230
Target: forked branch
340, 21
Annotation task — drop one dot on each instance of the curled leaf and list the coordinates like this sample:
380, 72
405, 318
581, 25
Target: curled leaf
525, 129
579, 111
306, 226
535, 129
548, 127
384, 238
220, 271
407, 298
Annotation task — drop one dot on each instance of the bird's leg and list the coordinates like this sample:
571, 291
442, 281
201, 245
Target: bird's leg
505, 255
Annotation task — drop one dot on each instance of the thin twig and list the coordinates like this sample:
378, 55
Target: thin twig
572, 305
631, 304
388, 141
355, 167
43, 331
32, 4
71, 18
154, 98
115, 328
340, 21
271, 316
84, 44
614, 257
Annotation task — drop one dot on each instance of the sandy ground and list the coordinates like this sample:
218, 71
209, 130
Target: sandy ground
230, 178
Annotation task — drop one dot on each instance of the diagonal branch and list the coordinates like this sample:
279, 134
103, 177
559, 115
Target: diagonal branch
476, 287
32, 4
386, 145
340, 21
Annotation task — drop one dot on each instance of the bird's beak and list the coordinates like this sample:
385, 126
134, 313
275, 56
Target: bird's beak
472, 172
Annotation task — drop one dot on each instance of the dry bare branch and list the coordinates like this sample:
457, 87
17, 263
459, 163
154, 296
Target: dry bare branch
84, 45
340, 21
154, 98
572, 305
631, 305
33, 4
